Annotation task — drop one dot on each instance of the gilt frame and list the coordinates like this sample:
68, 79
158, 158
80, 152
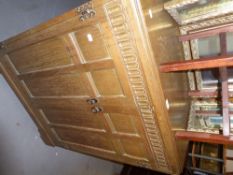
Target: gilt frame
211, 10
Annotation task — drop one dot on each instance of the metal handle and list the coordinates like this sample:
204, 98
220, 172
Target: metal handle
86, 11
96, 109
92, 101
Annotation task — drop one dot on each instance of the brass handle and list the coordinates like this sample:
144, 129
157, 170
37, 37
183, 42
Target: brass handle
96, 109
86, 11
92, 101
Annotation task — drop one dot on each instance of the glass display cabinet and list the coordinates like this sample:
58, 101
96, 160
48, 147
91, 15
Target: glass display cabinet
206, 34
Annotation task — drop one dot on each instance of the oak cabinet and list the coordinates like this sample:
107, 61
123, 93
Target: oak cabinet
90, 81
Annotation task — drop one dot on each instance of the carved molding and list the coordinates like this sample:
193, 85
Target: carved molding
195, 14
207, 23
187, 56
195, 54
86, 11
118, 20
172, 7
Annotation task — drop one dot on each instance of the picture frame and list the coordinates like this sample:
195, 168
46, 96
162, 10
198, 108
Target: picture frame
189, 11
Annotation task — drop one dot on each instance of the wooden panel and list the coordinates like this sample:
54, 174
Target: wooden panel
84, 138
75, 84
107, 82
122, 123
75, 104
75, 118
70, 69
9, 75
132, 148
43, 55
90, 39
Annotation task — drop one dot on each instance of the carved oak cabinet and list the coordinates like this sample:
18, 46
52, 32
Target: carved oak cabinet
89, 79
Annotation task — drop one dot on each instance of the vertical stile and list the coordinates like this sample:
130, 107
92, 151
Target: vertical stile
224, 88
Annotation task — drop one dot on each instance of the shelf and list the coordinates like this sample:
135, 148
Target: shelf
201, 171
199, 64
204, 137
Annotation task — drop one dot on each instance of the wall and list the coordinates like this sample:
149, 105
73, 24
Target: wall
21, 150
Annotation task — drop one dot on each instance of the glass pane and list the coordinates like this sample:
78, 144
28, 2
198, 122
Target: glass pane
209, 46
229, 42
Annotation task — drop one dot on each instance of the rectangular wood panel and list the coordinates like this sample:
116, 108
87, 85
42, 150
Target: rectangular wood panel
75, 118
47, 54
107, 82
74, 84
84, 138
90, 39
118, 123
136, 149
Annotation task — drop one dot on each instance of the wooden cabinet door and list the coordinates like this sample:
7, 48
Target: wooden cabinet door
80, 77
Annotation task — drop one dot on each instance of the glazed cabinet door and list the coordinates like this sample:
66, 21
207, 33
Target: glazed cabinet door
79, 76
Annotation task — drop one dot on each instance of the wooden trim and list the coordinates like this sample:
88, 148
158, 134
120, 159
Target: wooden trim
197, 64
206, 33
205, 171
224, 84
146, 57
167, 154
204, 137
69, 69
223, 44
206, 94
205, 157
229, 158
203, 93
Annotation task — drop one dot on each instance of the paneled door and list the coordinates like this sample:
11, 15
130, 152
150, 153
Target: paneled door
80, 77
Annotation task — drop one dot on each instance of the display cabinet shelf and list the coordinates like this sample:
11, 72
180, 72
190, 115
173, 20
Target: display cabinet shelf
222, 61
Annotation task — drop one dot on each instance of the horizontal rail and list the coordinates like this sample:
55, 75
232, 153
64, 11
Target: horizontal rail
204, 137
205, 171
206, 33
207, 94
229, 158
206, 157
197, 64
